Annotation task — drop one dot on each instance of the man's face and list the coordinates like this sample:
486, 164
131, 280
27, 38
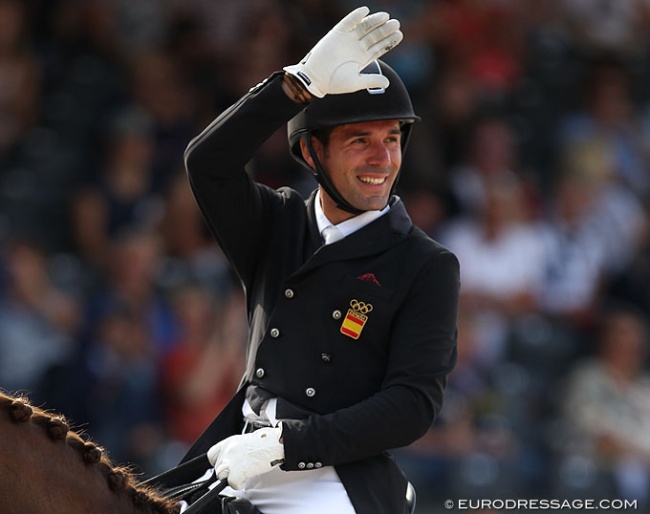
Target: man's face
362, 161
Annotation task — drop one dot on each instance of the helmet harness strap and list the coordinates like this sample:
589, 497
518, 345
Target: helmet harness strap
322, 178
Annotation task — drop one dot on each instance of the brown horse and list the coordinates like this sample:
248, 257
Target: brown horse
47, 467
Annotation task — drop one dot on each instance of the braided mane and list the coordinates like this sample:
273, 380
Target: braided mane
119, 479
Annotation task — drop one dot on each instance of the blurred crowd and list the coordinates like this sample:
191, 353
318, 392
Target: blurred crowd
531, 163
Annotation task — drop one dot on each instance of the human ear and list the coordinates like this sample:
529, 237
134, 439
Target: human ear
306, 154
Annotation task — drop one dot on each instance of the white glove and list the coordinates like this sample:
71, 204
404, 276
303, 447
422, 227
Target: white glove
240, 457
333, 66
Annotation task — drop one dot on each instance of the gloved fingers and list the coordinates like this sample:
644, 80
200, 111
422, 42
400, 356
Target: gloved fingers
384, 32
222, 471
372, 81
385, 45
214, 453
351, 20
371, 23
237, 479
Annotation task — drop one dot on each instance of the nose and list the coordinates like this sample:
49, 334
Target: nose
378, 154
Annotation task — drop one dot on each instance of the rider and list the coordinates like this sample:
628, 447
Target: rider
350, 340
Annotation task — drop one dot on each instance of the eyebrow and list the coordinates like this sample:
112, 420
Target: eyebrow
356, 133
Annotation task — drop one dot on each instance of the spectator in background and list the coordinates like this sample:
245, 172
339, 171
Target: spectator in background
38, 319
607, 27
191, 253
203, 371
157, 87
615, 210
630, 284
574, 274
592, 229
502, 259
606, 411
610, 117
135, 259
484, 38
122, 194
491, 154
222, 23
139, 27
455, 99
20, 81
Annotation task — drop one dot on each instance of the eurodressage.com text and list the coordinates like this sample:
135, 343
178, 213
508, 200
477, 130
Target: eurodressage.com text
542, 504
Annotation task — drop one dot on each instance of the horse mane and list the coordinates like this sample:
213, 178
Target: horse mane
120, 479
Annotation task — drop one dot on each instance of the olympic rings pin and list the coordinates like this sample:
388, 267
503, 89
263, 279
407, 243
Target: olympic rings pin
355, 319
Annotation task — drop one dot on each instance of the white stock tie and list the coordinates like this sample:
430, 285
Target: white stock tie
331, 234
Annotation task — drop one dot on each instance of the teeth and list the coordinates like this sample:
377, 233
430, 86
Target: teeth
372, 180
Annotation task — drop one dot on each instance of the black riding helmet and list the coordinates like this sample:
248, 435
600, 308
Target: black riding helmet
392, 103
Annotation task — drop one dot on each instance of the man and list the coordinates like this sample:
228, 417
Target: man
350, 341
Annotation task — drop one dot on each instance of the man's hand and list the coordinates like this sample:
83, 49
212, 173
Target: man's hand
240, 457
334, 65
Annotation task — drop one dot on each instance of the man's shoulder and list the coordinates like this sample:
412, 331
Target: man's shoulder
427, 243
416, 240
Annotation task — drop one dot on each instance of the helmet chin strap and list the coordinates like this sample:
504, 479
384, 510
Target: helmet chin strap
322, 178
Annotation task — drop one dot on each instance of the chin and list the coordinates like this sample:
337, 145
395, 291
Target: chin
375, 205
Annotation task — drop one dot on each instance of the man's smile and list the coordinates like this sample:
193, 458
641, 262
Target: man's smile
375, 181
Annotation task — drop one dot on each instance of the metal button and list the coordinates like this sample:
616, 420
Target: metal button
326, 357
288, 293
310, 465
259, 372
301, 465
336, 314
275, 333
318, 465
310, 391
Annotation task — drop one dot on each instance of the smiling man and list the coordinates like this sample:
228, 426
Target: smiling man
352, 335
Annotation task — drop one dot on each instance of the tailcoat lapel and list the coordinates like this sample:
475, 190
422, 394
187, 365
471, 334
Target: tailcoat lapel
374, 238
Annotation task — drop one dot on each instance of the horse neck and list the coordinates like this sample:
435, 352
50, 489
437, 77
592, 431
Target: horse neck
45, 467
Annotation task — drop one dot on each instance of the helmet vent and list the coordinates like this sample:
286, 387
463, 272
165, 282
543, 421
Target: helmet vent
374, 68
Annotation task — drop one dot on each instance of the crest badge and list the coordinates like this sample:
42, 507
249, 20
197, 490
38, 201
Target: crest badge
355, 319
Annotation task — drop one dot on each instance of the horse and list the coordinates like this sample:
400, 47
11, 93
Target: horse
45, 466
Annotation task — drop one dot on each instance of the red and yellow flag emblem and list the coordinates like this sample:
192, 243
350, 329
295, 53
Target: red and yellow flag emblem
355, 319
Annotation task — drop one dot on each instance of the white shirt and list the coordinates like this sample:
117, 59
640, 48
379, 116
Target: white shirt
347, 227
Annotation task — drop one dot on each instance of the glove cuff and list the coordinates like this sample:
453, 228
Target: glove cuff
295, 89
297, 71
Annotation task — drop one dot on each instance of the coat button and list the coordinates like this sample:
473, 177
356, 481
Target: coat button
275, 333
310, 465
318, 465
288, 293
310, 391
326, 357
336, 314
301, 465
260, 372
